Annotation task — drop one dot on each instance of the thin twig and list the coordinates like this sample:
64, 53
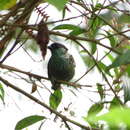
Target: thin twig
66, 124
37, 76
107, 81
12, 48
93, 41
44, 105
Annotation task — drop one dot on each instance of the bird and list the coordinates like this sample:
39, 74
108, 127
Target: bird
61, 65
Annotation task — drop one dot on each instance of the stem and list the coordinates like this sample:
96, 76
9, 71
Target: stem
63, 117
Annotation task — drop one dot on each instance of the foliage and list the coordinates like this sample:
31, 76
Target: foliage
55, 99
2, 92
121, 60
28, 121
6, 4
59, 4
116, 117
99, 33
93, 111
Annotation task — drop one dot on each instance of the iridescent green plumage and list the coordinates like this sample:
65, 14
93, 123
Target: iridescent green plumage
61, 65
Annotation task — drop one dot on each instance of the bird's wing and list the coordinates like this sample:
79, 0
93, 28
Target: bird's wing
50, 73
70, 59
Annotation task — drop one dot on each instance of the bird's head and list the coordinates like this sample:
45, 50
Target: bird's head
57, 48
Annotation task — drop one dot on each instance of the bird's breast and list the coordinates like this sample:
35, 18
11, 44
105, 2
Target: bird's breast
61, 68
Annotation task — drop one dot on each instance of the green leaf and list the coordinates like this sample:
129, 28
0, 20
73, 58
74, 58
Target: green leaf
116, 117
28, 121
94, 24
124, 18
114, 103
88, 60
55, 99
104, 68
6, 4
110, 56
2, 92
2, 51
123, 59
128, 70
76, 30
98, 6
63, 13
93, 47
112, 39
65, 26
126, 89
100, 90
93, 111
59, 4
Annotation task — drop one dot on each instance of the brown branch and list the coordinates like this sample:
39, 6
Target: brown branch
28, 7
23, 72
63, 117
93, 41
38, 76
14, 45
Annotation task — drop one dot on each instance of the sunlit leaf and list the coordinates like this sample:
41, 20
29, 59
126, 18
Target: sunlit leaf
115, 117
55, 99
59, 4
28, 121
114, 103
6, 4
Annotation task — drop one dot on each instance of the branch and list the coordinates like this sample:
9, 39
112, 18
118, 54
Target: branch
45, 105
93, 41
105, 77
14, 45
39, 77
23, 72
28, 7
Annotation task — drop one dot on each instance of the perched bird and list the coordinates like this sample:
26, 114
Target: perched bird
61, 65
